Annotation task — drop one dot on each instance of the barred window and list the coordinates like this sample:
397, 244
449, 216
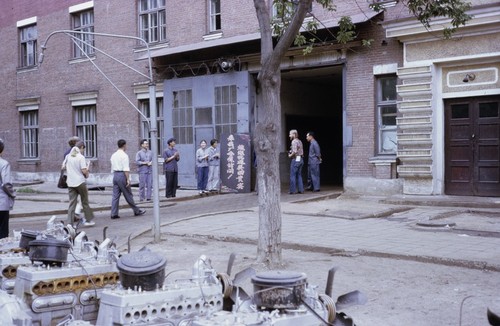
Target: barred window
28, 46
83, 22
152, 21
86, 128
29, 126
226, 104
159, 119
182, 116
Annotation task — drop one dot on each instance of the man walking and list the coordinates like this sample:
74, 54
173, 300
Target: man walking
170, 158
144, 161
121, 181
296, 155
314, 161
213, 166
77, 170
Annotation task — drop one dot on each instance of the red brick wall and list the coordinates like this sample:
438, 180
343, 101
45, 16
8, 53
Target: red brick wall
360, 97
58, 77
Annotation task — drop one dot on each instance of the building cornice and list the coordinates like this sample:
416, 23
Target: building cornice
486, 19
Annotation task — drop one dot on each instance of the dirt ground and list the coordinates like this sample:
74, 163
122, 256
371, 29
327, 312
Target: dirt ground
399, 292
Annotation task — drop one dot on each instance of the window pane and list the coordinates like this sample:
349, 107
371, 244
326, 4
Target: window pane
388, 86
203, 116
488, 110
389, 115
182, 116
460, 111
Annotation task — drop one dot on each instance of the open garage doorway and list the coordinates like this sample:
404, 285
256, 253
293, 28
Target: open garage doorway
312, 101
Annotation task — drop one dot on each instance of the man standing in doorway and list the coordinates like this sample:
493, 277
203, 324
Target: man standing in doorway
314, 161
170, 158
121, 181
144, 161
296, 154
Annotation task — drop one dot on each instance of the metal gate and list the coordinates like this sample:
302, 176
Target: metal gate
203, 107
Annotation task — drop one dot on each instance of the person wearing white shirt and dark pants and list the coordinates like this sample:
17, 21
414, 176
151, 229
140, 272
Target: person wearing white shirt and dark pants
121, 181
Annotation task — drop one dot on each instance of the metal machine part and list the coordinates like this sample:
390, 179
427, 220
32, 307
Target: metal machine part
52, 293
49, 251
175, 303
143, 269
279, 289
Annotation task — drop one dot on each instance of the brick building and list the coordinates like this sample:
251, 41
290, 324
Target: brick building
378, 111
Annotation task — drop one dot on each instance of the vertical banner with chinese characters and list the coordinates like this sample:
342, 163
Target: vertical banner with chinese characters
235, 164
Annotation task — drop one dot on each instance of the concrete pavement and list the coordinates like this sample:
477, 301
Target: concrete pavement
462, 231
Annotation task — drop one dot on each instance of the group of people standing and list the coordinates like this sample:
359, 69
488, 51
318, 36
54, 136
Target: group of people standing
296, 154
208, 167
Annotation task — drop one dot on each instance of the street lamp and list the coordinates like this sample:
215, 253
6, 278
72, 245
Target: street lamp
152, 104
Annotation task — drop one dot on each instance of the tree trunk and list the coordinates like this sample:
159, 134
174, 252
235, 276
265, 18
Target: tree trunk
267, 147
268, 131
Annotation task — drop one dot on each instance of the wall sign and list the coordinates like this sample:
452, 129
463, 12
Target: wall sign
235, 163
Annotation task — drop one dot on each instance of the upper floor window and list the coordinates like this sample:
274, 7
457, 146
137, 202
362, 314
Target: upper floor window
214, 15
152, 20
29, 137
386, 115
28, 46
83, 45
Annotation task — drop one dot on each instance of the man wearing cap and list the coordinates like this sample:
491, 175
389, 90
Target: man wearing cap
121, 181
170, 158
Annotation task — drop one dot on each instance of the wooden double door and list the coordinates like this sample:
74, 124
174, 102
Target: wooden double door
472, 146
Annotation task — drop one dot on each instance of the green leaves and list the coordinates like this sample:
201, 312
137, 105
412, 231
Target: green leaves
346, 30
426, 10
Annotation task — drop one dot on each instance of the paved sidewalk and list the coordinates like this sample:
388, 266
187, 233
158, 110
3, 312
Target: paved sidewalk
463, 231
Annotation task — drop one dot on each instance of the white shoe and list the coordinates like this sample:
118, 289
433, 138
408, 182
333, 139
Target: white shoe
88, 223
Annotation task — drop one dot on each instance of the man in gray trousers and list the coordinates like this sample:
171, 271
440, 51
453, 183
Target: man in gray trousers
121, 181
314, 161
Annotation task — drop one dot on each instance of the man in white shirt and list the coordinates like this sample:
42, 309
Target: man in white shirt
77, 171
121, 181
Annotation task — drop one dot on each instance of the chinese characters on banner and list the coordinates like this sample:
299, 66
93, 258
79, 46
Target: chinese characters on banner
235, 162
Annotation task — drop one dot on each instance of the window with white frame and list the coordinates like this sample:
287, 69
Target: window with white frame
86, 128
29, 137
152, 21
214, 16
144, 104
386, 114
28, 46
84, 43
182, 116
226, 103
